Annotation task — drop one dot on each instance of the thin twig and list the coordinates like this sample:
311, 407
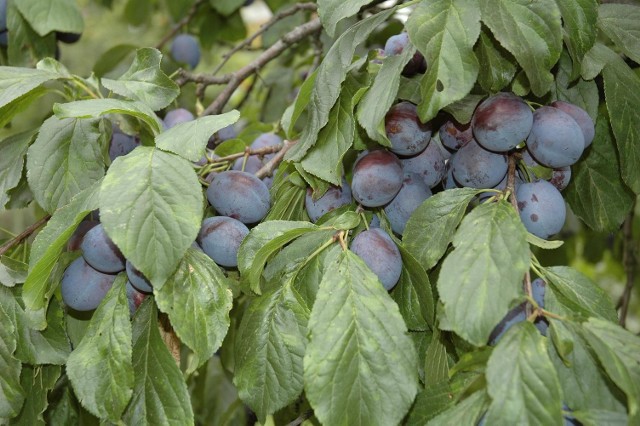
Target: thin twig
247, 94
181, 23
271, 165
263, 28
260, 151
23, 235
264, 58
301, 418
629, 262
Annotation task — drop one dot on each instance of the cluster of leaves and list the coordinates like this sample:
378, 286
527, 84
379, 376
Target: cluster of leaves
303, 324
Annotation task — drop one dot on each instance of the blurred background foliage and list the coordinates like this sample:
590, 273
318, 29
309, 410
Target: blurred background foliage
115, 28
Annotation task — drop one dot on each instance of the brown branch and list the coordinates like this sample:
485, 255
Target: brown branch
23, 235
268, 168
301, 418
260, 151
247, 94
629, 262
169, 337
181, 23
264, 58
263, 28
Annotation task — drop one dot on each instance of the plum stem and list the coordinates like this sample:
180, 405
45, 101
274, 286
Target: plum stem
268, 168
629, 261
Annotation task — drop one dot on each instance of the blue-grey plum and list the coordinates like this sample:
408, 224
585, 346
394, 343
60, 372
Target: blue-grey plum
220, 237
429, 164
581, 117
121, 144
408, 136
82, 287
239, 195
251, 165
475, 167
538, 287
453, 134
569, 420
177, 116
68, 38
78, 235
100, 252
376, 248
514, 316
134, 297
137, 279
561, 177
377, 178
265, 140
395, 45
448, 182
334, 197
556, 140
501, 122
3, 23
542, 209
185, 49
414, 192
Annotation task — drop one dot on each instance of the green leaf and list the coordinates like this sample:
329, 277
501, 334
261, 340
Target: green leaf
445, 32
466, 412
483, 275
65, 159
579, 293
151, 207
621, 23
295, 110
431, 226
543, 244
413, 294
189, 140
50, 242
145, 81
138, 12
93, 108
531, 32
601, 417
584, 384
36, 381
110, 59
52, 15
226, 7
324, 159
100, 367
333, 11
12, 152
579, 18
50, 346
463, 109
11, 393
26, 46
375, 104
198, 300
12, 271
436, 365
429, 403
262, 242
496, 64
622, 92
330, 75
19, 87
357, 334
597, 194
521, 380
288, 201
619, 353
160, 394
595, 60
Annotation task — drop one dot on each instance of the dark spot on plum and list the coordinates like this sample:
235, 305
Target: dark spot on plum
534, 217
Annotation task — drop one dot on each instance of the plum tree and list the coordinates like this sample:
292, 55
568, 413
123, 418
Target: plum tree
475, 167
414, 192
333, 198
454, 135
377, 178
408, 136
542, 208
501, 122
82, 287
220, 237
100, 252
376, 248
177, 116
239, 195
556, 140
185, 49
395, 45
429, 164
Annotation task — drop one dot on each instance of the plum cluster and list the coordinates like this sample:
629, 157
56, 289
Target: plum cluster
87, 279
551, 138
